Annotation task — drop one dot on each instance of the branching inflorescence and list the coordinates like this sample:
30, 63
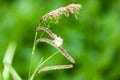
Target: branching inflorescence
56, 42
71, 8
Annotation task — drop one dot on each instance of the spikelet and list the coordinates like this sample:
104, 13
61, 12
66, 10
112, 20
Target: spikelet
60, 49
49, 68
57, 42
71, 8
47, 30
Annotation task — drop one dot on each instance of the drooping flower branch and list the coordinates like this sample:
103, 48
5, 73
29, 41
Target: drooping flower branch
63, 51
55, 68
51, 34
57, 40
71, 8
57, 43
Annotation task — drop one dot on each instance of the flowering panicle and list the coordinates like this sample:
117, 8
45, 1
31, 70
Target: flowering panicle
57, 42
71, 8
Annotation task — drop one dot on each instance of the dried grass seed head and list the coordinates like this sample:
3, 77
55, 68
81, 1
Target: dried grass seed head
62, 50
71, 8
57, 67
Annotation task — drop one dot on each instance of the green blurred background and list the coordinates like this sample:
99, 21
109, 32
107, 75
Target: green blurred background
93, 40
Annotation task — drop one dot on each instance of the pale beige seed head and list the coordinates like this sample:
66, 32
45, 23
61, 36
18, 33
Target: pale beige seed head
57, 67
71, 8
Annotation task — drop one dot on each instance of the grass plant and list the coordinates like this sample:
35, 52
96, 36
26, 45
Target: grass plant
56, 42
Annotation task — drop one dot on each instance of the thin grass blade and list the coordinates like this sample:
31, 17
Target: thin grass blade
12, 72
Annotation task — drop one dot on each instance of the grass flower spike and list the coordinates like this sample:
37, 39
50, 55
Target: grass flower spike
71, 8
56, 41
55, 68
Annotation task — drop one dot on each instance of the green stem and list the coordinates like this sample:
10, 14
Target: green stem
31, 78
33, 51
48, 58
42, 63
43, 32
34, 44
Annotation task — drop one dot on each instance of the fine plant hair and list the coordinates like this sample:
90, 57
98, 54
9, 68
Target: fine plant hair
56, 42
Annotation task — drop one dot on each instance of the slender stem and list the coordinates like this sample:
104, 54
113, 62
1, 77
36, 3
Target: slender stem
43, 32
33, 51
30, 66
32, 76
34, 44
48, 58
42, 63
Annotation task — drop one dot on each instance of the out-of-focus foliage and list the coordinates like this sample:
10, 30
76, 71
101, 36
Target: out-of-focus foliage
93, 40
